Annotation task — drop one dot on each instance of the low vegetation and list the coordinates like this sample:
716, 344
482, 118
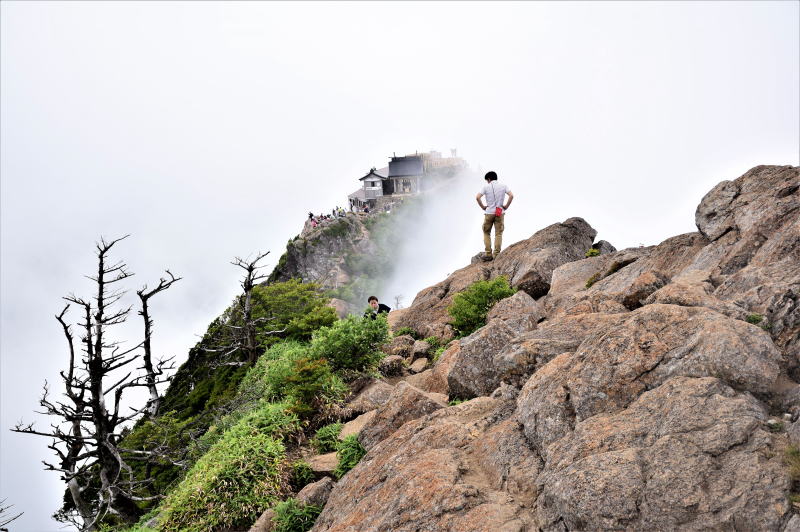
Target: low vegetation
470, 307
238, 477
352, 343
792, 459
437, 353
755, 319
293, 516
326, 440
228, 438
593, 279
592, 252
407, 331
349, 453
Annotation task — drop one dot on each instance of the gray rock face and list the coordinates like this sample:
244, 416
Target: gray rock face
400, 345
405, 404
419, 365
473, 372
316, 493
392, 366
604, 247
764, 193
520, 312
461, 468
638, 402
687, 455
323, 464
653, 344
420, 349
371, 397
320, 256
264, 523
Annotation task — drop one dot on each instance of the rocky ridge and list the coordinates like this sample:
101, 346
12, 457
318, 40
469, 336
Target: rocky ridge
632, 390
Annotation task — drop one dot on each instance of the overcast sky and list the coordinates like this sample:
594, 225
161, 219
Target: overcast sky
208, 130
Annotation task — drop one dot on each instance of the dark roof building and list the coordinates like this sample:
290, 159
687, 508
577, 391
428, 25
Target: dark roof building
410, 165
373, 175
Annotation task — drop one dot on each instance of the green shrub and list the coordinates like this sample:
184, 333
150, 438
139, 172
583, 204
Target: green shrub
593, 279
755, 319
792, 460
776, 427
273, 419
302, 474
351, 343
267, 379
242, 474
438, 353
469, 308
337, 229
292, 516
174, 439
302, 327
299, 308
311, 385
406, 330
433, 341
455, 402
326, 440
350, 452
592, 252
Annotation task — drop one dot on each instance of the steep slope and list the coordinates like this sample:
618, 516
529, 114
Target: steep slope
631, 390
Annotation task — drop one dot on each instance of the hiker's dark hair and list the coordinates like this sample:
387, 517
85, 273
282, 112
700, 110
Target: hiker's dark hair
491, 176
371, 298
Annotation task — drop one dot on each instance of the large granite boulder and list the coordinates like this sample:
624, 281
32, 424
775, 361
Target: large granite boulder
464, 468
405, 404
473, 372
373, 395
652, 344
316, 493
688, 455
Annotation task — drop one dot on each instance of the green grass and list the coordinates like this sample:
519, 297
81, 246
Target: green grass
470, 307
792, 459
302, 474
242, 474
350, 452
438, 353
754, 318
292, 516
326, 440
406, 330
593, 279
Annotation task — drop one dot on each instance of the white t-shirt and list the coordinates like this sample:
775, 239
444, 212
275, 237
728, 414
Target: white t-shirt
494, 193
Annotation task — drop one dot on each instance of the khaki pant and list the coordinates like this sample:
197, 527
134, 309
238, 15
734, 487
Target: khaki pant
490, 220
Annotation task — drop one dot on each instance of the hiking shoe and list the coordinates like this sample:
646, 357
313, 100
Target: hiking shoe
486, 257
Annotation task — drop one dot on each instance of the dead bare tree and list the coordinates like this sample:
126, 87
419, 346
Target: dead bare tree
4, 518
88, 449
153, 373
241, 346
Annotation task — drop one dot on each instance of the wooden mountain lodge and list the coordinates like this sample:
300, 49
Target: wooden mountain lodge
405, 176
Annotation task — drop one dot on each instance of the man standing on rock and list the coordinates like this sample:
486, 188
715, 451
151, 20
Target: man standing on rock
494, 213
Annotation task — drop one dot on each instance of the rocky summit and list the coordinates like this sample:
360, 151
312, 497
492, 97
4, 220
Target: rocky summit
652, 388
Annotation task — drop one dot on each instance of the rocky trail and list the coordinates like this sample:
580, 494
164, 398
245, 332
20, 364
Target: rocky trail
649, 388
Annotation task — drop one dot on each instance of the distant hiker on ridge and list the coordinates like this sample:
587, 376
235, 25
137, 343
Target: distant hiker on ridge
494, 213
377, 308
